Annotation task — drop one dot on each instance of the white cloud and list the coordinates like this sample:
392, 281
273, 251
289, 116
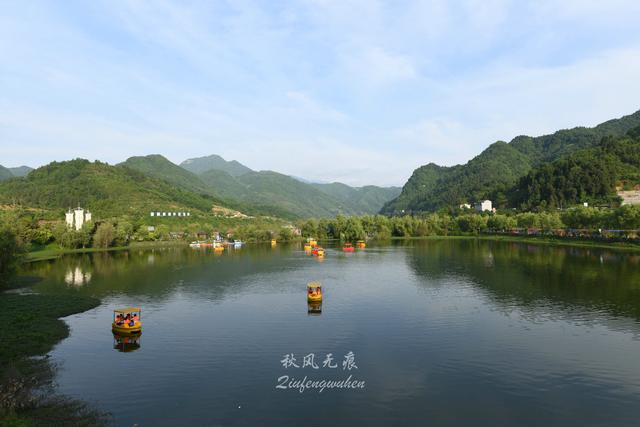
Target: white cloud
356, 87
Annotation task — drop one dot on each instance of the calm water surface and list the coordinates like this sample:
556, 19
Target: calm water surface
449, 332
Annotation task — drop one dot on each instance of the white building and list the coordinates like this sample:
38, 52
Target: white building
483, 206
77, 217
157, 214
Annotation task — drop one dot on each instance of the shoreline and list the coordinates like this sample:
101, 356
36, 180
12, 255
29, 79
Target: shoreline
537, 240
45, 255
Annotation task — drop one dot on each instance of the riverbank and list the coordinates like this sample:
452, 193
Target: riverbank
537, 240
53, 253
31, 327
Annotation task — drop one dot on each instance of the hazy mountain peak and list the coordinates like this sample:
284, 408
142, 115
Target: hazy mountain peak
199, 165
5, 173
21, 171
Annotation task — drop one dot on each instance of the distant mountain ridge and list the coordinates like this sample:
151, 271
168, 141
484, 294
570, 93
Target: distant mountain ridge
6, 173
492, 173
203, 164
285, 192
21, 170
361, 200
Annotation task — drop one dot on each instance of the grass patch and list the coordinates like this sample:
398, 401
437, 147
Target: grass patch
31, 324
31, 327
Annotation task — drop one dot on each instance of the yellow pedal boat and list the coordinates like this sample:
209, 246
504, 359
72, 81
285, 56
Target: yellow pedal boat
314, 292
127, 320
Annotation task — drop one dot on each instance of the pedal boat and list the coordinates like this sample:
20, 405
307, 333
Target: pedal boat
134, 326
318, 251
348, 247
314, 292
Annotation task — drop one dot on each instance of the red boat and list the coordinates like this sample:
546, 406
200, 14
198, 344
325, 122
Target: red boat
348, 247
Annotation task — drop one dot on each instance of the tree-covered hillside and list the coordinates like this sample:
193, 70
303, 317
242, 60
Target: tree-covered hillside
589, 175
106, 190
303, 200
158, 166
5, 173
494, 171
21, 170
214, 162
282, 195
360, 200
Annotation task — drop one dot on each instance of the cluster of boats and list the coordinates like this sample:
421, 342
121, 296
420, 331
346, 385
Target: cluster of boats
311, 247
217, 246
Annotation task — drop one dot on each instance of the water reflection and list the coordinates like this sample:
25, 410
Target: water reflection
77, 277
126, 343
314, 308
426, 319
536, 277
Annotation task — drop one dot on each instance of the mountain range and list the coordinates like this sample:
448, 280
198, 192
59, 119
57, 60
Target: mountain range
263, 192
528, 172
152, 182
494, 172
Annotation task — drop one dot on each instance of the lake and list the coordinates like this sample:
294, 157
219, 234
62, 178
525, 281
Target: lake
430, 332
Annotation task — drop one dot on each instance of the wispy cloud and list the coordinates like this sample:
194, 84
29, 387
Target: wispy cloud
329, 89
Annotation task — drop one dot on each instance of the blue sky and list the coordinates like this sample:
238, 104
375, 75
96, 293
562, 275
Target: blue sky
361, 92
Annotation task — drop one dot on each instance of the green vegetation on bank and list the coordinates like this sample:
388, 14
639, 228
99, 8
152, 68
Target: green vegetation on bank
44, 239
31, 326
464, 222
495, 171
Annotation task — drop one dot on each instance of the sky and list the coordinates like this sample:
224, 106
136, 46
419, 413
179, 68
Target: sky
361, 92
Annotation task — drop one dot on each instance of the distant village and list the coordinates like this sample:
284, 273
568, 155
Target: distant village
482, 206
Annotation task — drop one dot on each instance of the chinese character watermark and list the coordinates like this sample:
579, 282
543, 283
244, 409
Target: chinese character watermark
289, 361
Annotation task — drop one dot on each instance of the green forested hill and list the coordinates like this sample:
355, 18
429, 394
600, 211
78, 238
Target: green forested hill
266, 193
360, 200
303, 200
106, 190
5, 173
588, 175
214, 162
21, 170
157, 166
283, 195
494, 171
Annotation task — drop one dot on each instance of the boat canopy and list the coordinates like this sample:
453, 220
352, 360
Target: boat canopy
314, 285
127, 310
